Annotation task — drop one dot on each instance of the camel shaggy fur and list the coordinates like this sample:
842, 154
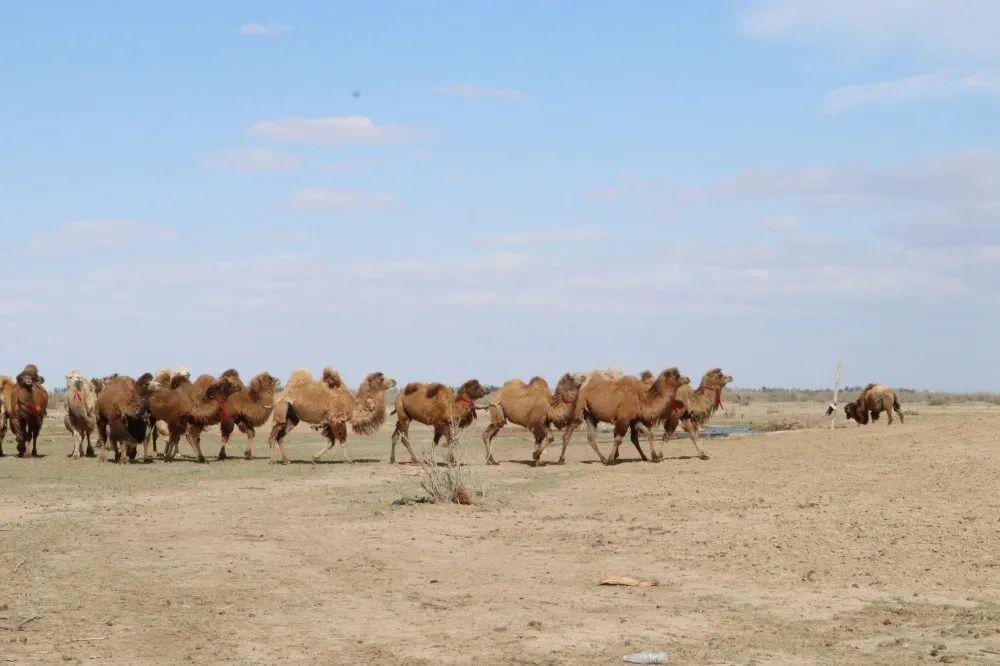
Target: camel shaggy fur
696, 406
874, 399
330, 407
247, 410
440, 407
81, 412
210, 397
123, 416
535, 407
626, 403
25, 406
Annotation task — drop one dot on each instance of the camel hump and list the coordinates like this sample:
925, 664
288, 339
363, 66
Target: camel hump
300, 377
434, 389
411, 388
332, 378
538, 381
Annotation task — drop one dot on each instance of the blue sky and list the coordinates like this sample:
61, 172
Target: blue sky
505, 189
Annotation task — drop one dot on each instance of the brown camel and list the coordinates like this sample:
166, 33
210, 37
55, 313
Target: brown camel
211, 395
247, 410
329, 406
627, 403
186, 408
873, 400
81, 412
535, 407
696, 407
438, 406
123, 416
25, 405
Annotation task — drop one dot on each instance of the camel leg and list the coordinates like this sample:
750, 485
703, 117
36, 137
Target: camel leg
887, 406
194, 440
249, 431
899, 411
641, 427
226, 427
619, 435
567, 434
90, 447
3, 432
402, 432
592, 440
275, 441
491, 431
330, 443
692, 431
634, 436
488, 443
34, 441
540, 446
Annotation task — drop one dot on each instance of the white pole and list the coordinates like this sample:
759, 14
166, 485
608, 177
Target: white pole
836, 394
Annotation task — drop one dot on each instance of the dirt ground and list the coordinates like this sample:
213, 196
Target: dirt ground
859, 545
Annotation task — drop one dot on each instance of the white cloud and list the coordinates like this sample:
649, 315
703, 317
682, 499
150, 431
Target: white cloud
541, 236
959, 28
85, 235
504, 261
263, 30
476, 92
938, 85
602, 194
319, 198
333, 129
786, 223
251, 160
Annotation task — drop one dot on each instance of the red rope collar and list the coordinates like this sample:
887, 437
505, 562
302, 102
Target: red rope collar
222, 408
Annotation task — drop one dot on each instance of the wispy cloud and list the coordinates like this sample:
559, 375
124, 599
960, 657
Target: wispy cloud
333, 129
319, 198
786, 223
541, 237
937, 85
263, 29
84, 235
957, 28
478, 92
251, 160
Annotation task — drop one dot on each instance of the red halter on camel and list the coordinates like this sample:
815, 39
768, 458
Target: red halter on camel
718, 396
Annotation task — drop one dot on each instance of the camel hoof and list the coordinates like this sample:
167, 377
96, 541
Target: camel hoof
222, 454
201, 459
272, 462
248, 455
492, 462
562, 461
704, 456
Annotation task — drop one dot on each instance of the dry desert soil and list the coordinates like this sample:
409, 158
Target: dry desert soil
868, 545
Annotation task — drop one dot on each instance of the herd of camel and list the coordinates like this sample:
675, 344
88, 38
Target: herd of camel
126, 411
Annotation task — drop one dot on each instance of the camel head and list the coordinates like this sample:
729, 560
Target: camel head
852, 412
670, 379
29, 376
146, 385
182, 371
231, 372
569, 386
75, 381
715, 379
263, 383
376, 382
472, 389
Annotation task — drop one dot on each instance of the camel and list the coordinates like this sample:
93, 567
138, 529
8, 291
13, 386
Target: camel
247, 410
533, 406
696, 407
123, 416
625, 402
438, 406
25, 405
81, 412
329, 406
212, 394
186, 408
873, 400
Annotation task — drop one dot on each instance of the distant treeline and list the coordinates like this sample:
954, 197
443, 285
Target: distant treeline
906, 396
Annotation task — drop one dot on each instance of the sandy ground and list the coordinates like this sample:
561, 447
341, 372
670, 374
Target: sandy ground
874, 545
